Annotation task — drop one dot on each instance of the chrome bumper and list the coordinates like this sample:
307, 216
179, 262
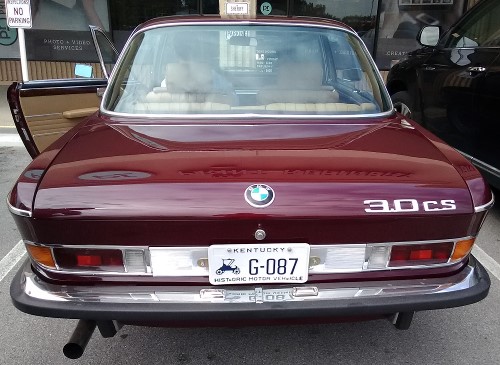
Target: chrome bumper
141, 303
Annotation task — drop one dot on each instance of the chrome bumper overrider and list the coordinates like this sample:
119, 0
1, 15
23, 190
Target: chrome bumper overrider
32, 295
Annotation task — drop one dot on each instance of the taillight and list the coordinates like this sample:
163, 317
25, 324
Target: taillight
425, 254
97, 259
133, 260
74, 259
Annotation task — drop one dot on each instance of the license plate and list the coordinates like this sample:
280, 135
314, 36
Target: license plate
258, 263
258, 296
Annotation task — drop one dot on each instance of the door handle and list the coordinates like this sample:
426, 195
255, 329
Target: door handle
79, 113
476, 69
429, 68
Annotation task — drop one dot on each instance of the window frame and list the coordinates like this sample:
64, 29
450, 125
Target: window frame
385, 103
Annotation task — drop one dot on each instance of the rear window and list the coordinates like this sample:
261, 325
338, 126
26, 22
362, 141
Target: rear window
246, 69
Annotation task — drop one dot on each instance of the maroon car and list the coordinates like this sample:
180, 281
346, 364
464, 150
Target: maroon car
238, 172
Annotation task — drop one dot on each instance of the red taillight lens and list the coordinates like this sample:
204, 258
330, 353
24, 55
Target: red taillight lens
74, 259
428, 254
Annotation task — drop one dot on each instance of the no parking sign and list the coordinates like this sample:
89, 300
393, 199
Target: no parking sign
19, 16
18, 13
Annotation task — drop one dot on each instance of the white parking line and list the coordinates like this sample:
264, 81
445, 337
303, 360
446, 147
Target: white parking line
11, 259
487, 261
10, 139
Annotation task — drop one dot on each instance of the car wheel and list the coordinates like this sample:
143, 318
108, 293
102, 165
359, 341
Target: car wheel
219, 272
403, 103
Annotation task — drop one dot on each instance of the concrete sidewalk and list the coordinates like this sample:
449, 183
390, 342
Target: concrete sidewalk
6, 123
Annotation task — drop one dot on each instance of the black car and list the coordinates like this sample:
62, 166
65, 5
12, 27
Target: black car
452, 85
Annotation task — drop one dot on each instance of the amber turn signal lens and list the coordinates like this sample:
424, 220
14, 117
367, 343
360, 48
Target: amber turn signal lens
462, 249
41, 255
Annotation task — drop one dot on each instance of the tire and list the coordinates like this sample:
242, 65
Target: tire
219, 272
237, 271
403, 103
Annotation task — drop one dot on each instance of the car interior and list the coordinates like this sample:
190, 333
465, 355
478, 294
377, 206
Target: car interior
246, 71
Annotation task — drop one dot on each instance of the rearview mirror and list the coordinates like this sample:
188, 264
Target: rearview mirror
429, 36
85, 71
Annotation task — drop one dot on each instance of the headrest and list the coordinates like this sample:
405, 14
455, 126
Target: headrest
300, 75
188, 77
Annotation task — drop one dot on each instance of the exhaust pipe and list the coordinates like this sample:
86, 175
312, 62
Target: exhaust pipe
79, 339
402, 320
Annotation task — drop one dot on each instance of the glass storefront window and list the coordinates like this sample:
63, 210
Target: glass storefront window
128, 14
361, 15
387, 27
264, 7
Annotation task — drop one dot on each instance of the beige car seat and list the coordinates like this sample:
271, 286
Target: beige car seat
298, 82
188, 86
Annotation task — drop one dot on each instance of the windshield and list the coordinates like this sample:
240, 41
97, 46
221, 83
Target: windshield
242, 69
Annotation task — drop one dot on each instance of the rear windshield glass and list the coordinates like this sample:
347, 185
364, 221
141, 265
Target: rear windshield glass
242, 69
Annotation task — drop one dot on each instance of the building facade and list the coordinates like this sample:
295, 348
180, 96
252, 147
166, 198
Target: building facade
60, 37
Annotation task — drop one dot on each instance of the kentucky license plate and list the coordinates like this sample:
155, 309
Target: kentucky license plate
258, 263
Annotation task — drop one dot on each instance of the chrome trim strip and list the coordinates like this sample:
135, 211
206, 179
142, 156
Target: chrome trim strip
48, 133
491, 169
247, 115
142, 124
17, 211
121, 56
401, 243
486, 206
315, 250
35, 288
43, 115
93, 31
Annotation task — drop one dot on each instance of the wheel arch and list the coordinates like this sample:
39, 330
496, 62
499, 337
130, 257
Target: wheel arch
412, 87
395, 86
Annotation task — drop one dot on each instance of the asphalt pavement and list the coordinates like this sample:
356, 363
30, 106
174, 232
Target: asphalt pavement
465, 335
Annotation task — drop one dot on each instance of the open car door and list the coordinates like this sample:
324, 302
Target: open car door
44, 110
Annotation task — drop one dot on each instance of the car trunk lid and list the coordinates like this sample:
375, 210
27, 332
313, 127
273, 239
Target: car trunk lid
325, 171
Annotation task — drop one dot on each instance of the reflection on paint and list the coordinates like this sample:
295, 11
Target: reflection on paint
114, 175
35, 174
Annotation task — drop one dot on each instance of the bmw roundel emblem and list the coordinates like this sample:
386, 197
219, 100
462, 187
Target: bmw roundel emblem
259, 195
